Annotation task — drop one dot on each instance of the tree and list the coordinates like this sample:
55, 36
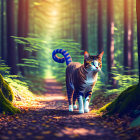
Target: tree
21, 32
132, 32
127, 39
26, 18
100, 27
110, 42
129, 99
26, 25
2, 31
11, 47
84, 28
138, 32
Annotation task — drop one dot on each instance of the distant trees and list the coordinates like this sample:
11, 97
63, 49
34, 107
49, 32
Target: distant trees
2, 31
26, 13
84, 28
110, 41
21, 32
132, 32
128, 38
138, 32
11, 47
70, 20
100, 26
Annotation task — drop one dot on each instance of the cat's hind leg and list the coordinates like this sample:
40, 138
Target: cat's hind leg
74, 100
70, 92
80, 102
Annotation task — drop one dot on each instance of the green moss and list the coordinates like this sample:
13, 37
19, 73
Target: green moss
104, 108
6, 98
8, 93
6, 106
128, 100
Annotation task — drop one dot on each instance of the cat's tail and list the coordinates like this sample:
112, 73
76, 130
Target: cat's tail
66, 57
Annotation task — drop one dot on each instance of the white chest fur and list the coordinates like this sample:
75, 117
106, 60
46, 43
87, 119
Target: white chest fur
90, 79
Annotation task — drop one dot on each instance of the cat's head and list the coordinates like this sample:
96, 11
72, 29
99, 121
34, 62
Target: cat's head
93, 62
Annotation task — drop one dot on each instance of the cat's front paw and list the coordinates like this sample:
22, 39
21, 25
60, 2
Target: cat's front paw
70, 108
81, 111
74, 106
86, 110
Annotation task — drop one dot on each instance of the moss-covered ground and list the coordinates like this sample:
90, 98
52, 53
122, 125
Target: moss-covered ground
6, 98
126, 102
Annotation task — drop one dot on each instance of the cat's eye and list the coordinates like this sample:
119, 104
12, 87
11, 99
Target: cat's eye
92, 63
99, 64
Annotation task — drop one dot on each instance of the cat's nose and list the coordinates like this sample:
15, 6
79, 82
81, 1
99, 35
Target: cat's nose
96, 67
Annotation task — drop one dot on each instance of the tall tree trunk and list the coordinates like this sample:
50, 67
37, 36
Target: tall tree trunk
26, 18
11, 47
21, 32
132, 31
138, 32
100, 27
110, 42
75, 33
84, 22
127, 40
2, 31
26, 25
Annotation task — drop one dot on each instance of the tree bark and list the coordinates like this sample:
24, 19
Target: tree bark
132, 32
21, 32
26, 18
127, 40
84, 28
2, 31
110, 42
138, 32
11, 47
100, 27
26, 26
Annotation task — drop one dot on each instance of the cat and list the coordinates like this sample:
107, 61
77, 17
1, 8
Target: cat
80, 78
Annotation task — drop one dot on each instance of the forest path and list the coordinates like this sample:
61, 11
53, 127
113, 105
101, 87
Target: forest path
52, 121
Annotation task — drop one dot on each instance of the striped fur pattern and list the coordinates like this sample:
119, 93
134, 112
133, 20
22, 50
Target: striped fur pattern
80, 78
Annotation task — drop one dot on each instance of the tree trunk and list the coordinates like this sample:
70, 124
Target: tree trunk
26, 17
2, 31
84, 28
110, 42
127, 40
21, 33
132, 31
74, 15
138, 32
100, 27
26, 25
11, 47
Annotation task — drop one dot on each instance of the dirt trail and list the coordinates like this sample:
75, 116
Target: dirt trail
53, 121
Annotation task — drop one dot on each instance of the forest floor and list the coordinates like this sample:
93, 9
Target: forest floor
47, 117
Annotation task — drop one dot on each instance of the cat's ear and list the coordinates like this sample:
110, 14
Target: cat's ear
86, 54
101, 54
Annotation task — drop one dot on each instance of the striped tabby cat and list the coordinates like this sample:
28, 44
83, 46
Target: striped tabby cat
80, 79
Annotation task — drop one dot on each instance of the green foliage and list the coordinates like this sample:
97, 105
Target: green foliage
35, 63
4, 69
123, 80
